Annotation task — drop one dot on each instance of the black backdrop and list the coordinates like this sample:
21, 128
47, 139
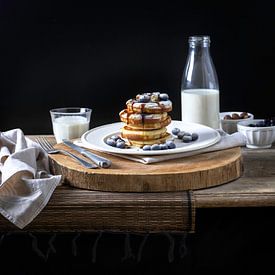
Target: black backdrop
98, 55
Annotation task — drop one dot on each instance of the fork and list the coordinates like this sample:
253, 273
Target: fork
49, 149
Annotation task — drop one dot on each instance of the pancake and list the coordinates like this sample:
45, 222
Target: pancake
150, 103
139, 118
142, 135
144, 121
134, 106
151, 126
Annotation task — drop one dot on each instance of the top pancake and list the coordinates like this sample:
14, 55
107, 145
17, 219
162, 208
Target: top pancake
149, 103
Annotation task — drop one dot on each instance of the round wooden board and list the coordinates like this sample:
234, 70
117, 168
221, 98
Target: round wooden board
189, 173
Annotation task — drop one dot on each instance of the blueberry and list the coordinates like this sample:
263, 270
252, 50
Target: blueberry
163, 146
120, 139
155, 147
260, 124
175, 131
194, 136
267, 122
115, 137
144, 98
111, 142
181, 134
170, 144
187, 134
120, 144
163, 97
187, 138
146, 148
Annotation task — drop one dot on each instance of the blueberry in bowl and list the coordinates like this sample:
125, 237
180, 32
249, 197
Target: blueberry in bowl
259, 133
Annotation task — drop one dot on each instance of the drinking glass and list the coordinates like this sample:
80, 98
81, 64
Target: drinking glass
70, 122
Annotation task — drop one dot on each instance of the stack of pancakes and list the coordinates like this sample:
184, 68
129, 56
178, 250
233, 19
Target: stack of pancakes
146, 118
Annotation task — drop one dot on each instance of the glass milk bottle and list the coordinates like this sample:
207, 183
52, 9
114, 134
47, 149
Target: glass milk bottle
200, 89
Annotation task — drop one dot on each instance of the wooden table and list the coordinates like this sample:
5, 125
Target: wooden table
71, 209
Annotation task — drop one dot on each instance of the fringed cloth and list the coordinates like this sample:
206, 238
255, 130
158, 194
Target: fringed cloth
132, 247
181, 220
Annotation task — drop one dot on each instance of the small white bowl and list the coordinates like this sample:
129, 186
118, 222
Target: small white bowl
257, 137
230, 125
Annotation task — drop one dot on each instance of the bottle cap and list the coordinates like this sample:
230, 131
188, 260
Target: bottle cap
199, 39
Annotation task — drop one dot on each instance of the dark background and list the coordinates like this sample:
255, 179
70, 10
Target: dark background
99, 54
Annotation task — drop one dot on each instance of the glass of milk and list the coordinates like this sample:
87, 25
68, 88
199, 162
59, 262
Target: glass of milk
70, 123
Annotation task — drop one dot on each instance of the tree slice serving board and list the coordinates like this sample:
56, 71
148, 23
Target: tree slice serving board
189, 173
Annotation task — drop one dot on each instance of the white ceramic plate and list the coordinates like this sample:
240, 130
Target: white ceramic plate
96, 139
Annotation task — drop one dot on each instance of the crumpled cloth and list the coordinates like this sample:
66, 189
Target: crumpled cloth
26, 184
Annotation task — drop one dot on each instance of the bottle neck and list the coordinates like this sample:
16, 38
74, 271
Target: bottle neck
199, 49
199, 44
199, 71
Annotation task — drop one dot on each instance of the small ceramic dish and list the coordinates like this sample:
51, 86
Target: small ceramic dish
257, 136
230, 125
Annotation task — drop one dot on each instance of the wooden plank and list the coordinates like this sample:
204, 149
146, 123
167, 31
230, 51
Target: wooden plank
244, 192
256, 187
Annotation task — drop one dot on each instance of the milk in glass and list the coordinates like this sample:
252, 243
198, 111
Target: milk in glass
69, 127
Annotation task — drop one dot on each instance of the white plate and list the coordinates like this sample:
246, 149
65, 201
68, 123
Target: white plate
96, 137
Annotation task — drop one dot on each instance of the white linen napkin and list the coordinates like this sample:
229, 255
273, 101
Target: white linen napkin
26, 184
227, 141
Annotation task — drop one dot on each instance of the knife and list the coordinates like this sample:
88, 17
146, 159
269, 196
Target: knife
100, 161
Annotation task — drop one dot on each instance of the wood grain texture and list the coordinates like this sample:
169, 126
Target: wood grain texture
256, 187
190, 173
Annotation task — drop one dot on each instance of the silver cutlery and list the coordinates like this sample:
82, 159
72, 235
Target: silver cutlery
48, 148
98, 160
